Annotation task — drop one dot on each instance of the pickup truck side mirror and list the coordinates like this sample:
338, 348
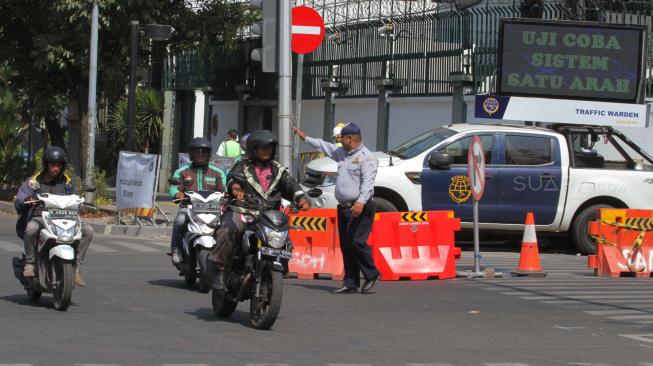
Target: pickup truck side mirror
439, 160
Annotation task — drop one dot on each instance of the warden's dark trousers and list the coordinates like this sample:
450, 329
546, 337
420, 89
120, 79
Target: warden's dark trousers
356, 254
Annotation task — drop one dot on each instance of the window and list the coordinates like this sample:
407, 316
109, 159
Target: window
460, 148
528, 150
421, 143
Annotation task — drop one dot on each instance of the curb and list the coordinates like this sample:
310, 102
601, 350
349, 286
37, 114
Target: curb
111, 229
7, 207
130, 230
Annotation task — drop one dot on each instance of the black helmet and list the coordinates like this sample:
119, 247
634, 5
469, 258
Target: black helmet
261, 138
199, 143
55, 154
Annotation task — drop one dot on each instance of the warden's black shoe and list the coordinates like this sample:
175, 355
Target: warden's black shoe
344, 290
369, 284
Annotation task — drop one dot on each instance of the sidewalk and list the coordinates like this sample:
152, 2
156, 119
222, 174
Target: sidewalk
101, 226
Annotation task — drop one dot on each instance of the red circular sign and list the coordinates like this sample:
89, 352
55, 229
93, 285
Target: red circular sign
307, 29
476, 167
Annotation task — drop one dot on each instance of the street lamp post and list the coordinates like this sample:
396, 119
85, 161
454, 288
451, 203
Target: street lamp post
156, 32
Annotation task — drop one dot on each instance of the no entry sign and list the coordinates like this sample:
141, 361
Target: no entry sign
307, 29
476, 167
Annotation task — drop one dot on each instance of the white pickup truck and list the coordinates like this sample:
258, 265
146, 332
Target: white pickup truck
562, 174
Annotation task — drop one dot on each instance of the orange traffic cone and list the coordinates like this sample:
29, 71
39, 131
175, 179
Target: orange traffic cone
529, 259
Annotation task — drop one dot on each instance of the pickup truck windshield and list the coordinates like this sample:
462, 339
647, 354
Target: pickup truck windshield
421, 143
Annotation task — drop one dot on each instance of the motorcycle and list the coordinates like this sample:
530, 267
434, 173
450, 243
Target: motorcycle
204, 212
56, 250
259, 263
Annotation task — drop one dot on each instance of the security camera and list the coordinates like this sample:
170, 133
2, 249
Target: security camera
386, 30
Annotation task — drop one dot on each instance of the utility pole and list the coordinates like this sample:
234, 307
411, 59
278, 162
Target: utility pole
92, 107
131, 98
285, 82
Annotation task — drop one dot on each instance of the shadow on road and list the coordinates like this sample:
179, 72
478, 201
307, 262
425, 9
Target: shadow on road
325, 288
22, 299
179, 284
207, 314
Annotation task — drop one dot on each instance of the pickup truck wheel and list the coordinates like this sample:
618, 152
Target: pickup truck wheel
579, 230
383, 205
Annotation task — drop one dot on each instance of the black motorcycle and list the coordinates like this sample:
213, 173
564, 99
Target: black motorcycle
259, 263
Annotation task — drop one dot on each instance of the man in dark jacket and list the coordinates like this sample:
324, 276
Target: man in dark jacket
50, 180
199, 175
260, 176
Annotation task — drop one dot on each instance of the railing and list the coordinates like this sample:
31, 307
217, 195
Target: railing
420, 52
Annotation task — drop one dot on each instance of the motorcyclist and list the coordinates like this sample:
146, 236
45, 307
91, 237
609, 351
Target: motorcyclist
262, 177
51, 179
198, 175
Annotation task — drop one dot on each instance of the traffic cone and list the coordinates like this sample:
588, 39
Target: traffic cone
529, 259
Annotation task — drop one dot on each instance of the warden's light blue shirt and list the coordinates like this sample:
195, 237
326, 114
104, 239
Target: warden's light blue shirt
356, 170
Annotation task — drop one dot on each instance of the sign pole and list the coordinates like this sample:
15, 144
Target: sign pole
477, 244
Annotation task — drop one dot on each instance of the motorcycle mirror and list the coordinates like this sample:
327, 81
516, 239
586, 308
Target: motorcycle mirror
315, 192
90, 188
174, 181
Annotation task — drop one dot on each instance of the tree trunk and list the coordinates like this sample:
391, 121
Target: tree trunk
55, 132
74, 135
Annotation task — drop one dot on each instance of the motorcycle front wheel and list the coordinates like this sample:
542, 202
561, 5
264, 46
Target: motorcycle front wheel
264, 309
62, 272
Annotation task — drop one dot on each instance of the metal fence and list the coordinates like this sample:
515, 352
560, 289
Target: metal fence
419, 51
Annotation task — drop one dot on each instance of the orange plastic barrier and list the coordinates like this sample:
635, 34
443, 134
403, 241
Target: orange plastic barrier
316, 249
624, 241
405, 245
415, 245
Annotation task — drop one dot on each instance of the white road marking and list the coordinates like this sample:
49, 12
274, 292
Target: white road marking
612, 312
648, 338
134, 246
10, 247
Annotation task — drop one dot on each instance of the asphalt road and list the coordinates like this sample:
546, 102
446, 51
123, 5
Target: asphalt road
137, 311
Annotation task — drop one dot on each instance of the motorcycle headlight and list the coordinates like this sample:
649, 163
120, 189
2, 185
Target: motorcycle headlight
65, 235
276, 239
206, 229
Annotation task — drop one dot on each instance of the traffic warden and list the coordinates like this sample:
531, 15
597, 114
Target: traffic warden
50, 180
199, 175
354, 191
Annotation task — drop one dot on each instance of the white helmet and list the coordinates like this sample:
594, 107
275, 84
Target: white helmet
338, 128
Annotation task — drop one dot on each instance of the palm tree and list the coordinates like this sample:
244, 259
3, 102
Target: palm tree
148, 120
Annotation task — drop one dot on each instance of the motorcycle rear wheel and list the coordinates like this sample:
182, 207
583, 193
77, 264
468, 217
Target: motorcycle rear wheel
222, 306
62, 275
264, 310
34, 295
204, 278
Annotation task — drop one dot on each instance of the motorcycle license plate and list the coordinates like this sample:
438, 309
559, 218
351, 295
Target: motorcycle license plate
62, 213
276, 252
206, 207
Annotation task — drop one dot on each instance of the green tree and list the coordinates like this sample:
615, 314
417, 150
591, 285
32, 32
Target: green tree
148, 121
46, 43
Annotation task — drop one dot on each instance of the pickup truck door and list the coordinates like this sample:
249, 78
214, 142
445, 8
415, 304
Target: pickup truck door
529, 178
449, 189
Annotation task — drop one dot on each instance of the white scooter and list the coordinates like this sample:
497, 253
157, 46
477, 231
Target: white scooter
56, 251
204, 212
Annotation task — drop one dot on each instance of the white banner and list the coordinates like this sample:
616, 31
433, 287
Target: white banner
135, 180
562, 111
